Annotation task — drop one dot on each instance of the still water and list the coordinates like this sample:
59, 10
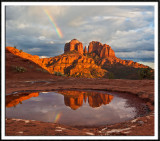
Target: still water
76, 108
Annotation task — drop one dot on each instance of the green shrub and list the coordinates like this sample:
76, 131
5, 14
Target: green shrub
38, 69
82, 75
19, 69
58, 74
31, 66
41, 69
94, 73
44, 71
145, 73
20, 50
110, 75
15, 47
97, 73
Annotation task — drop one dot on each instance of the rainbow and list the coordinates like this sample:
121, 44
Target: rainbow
57, 29
57, 117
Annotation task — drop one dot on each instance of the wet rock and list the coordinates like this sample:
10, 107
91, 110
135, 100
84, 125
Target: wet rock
140, 122
21, 132
104, 129
134, 120
145, 121
117, 131
88, 133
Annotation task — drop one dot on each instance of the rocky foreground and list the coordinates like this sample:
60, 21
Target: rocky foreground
139, 126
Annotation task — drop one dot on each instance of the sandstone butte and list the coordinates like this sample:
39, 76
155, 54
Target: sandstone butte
78, 62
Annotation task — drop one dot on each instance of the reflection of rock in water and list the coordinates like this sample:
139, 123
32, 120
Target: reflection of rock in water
96, 100
13, 100
74, 99
74, 103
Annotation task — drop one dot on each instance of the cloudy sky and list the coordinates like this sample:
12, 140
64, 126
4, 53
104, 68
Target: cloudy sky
129, 30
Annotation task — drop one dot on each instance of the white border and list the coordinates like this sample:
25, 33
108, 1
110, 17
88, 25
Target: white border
80, 3
156, 68
3, 71
155, 4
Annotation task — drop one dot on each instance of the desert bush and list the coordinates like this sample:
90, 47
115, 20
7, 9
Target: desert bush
38, 69
19, 69
20, 50
97, 73
94, 72
82, 75
110, 75
145, 73
31, 66
41, 69
58, 74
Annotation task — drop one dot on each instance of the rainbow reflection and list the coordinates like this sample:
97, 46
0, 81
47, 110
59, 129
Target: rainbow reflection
58, 31
57, 117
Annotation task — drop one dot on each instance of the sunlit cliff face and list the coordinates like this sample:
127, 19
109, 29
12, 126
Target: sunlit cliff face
74, 99
78, 62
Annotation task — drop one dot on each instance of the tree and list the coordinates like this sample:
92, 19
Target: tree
20, 50
145, 73
110, 75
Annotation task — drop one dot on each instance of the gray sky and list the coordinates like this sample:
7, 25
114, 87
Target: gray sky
129, 30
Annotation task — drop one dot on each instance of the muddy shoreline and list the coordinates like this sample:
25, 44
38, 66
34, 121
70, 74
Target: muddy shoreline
143, 126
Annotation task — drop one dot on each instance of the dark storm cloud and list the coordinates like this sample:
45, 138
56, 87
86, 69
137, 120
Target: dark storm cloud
127, 29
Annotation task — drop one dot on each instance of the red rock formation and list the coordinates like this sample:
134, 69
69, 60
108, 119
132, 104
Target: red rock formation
78, 65
73, 45
107, 51
86, 67
85, 50
63, 62
103, 51
95, 46
105, 62
40, 61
